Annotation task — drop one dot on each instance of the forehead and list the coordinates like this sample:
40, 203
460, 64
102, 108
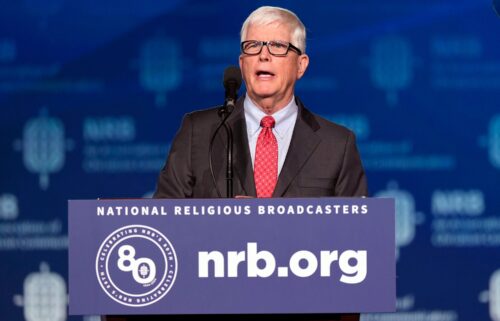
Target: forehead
271, 31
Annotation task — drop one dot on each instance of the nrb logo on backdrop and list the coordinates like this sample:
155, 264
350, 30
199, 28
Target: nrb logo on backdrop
136, 265
44, 146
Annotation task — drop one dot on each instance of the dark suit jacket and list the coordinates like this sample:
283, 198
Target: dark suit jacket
322, 159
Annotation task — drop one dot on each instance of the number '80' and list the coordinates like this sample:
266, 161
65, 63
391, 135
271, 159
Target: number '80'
143, 269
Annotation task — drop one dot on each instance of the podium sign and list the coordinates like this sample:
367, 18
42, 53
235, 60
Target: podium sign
231, 256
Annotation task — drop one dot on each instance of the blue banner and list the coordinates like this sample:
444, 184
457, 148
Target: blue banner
204, 256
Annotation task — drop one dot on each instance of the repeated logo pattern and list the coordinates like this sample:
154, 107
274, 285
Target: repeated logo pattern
266, 159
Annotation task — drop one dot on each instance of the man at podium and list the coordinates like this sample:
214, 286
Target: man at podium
281, 149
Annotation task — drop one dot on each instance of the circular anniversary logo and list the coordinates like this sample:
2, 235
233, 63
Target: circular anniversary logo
136, 265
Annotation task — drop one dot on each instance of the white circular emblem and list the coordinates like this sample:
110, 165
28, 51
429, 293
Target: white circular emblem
136, 265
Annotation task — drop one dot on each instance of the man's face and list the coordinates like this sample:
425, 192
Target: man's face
269, 79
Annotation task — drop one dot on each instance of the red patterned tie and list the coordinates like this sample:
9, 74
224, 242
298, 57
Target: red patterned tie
266, 159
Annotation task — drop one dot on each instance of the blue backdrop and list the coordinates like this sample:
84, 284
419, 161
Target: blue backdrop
92, 92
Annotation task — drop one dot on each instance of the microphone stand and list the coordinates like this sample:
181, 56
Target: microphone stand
229, 155
232, 82
224, 112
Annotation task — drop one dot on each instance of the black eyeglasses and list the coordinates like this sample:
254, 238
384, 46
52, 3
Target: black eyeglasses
275, 47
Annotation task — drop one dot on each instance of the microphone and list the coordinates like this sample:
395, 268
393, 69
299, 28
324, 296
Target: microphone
232, 83
496, 6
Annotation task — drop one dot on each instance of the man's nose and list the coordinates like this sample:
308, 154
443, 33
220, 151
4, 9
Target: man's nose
264, 53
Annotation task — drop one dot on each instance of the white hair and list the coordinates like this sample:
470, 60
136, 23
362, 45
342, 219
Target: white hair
267, 15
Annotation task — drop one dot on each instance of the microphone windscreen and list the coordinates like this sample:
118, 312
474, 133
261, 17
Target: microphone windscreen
232, 74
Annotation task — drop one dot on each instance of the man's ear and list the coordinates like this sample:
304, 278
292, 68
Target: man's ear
303, 62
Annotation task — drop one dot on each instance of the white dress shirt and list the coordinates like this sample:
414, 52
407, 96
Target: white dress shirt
283, 128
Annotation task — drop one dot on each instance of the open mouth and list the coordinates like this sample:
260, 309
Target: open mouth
264, 74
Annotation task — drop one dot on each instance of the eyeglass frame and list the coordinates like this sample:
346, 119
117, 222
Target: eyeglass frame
266, 43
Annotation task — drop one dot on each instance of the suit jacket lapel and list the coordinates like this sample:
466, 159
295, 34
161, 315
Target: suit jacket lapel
304, 142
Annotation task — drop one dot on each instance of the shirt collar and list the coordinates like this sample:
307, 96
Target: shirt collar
285, 117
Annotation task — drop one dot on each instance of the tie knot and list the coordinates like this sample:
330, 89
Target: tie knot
267, 122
